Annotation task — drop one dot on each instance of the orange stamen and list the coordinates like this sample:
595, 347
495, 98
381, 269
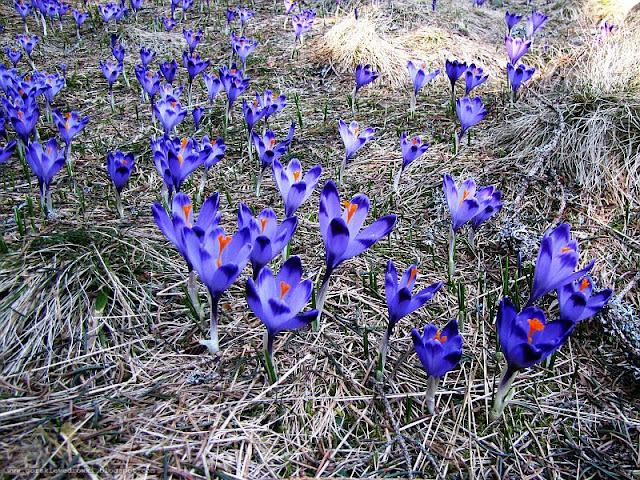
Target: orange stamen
566, 249
414, 141
66, 126
535, 325
184, 142
263, 222
284, 288
465, 194
439, 338
124, 162
414, 271
584, 284
273, 142
187, 211
296, 175
223, 241
351, 209
173, 104
20, 114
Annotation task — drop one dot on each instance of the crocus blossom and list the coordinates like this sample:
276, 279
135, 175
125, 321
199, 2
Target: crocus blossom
341, 231
269, 150
169, 112
516, 48
120, 165
294, 187
364, 75
271, 103
412, 149
473, 77
535, 23
512, 20
400, 302
267, 236
420, 76
45, 163
192, 38
243, 47
218, 259
277, 301
213, 85
168, 70
557, 259
353, 139
578, 301
517, 76
526, 338
7, 151
455, 69
439, 351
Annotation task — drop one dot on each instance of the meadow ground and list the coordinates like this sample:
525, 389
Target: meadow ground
102, 372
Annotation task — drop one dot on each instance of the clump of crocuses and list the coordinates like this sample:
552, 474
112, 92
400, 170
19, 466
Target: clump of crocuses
277, 301
45, 163
528, 337
401, 302
466, 203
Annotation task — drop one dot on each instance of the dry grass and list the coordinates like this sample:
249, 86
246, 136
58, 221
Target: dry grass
127, 389
351, 42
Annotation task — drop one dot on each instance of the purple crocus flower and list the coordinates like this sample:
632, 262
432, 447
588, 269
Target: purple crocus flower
193, 64
120, 165
149, 81
473, 77
271, 103
45, 163
136, 5
23, 9
289, 5
118, 53
27, 42
557, 259
470, 112
252, 114
420, 76
526, 338
218, 259
182, 159
412, 149
302, 22
516, 48
69, 126
14, 55
353, 139
295, 188
341, 231
234, 84
267, 237
439, 351
245, 15
517, 76
186, 5
232, 13
277, 302
182, 216
490, 202
192, 38
400, 302
53, 83
146, 56
512, 20
578, 301
462, 201
169, 23
108, 11
535, 22
243, 47
7, 151
23, 115
168, 70
111, 70
455, 69
197, 115
167, 92
169, 112
268, 148
212, 84
211, 152
604, 32
364, 75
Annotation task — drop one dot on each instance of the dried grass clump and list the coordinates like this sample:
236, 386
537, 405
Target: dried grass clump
351, 42
599, 97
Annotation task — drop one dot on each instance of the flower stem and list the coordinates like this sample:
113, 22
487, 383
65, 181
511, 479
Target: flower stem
119, 204
382, 354
504, 393
412, 105
343, 165
452, 251
192, 291
259, 181
212, 342
320, 298
432, 386
268, 357
396, 182
49, 202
